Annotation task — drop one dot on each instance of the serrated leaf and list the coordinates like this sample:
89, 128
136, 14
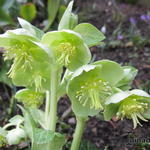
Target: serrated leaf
90, 34
47, 139
41, 136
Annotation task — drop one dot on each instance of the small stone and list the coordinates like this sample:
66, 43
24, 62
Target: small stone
72, 120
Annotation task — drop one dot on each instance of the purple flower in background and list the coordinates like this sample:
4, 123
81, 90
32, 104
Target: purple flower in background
148, 17
120, 37
133, 20
143, 17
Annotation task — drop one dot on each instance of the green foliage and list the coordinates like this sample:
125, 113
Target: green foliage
86, 145
91, 35
28, 11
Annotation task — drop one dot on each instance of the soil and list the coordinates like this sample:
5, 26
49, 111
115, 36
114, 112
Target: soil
113, 135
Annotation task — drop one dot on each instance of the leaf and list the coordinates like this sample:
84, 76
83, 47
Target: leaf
29, 124
5, 18
90, 34
28, 11
53, 6
34, 30
16, 120
38, 116
46, 140
65, 20
42, 136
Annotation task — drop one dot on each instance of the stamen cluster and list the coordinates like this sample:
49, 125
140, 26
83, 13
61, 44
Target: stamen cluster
132, 109
65, 52
22, 59
94, 93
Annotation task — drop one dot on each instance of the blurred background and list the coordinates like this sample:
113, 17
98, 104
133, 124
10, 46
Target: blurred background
126, 25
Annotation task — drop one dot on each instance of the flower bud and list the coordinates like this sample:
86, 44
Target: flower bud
15, 136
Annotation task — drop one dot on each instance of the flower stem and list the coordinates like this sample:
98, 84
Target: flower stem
47, 108
78, 133
52, 119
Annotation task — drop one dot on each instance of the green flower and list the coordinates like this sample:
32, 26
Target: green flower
130, 104
68, 48
91, 85
29, 59
30, 98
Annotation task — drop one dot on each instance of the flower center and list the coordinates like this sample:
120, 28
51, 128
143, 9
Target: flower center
64, 53
132, 109
21, 58
94, 93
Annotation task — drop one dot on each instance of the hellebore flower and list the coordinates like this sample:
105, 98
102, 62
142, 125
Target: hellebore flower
30, 98
28, 59
15, 136
91, 85
68, 48
129, 104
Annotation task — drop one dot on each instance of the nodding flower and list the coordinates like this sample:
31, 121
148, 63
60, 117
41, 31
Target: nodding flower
68, 47
131, 105
91, 85
27, 58
30, 98
133, 109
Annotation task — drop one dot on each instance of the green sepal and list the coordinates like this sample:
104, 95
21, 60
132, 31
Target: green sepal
129, 75
80, 76
110, 71
90, 34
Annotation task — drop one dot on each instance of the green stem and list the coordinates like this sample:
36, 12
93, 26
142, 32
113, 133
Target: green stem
52, 119
47, 108
78, 133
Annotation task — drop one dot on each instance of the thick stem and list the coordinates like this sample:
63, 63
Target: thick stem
78, 133
52, 119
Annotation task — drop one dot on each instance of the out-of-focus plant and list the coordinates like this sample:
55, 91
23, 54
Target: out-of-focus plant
28, 11
93, 87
